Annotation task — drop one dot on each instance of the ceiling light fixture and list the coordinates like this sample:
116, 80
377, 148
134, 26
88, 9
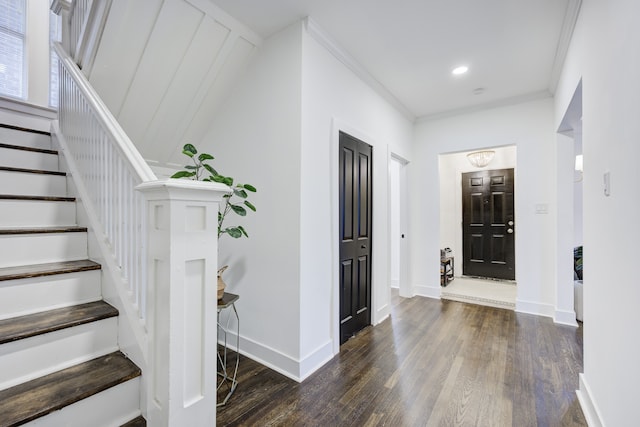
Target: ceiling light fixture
481, 159
460, 70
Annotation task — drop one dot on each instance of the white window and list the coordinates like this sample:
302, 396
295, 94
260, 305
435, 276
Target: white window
12, 48
55, 35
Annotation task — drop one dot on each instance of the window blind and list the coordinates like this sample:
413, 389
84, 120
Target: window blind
12, 47
55, 35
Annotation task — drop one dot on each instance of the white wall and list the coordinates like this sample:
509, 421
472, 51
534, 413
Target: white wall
604, 53
335, 99
528, 127
256, 139
279, 131
451, 167
394, 222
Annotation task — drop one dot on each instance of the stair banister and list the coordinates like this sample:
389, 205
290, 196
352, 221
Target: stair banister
159, 244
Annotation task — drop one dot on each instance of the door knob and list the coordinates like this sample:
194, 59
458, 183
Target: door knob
510, 223
510, 230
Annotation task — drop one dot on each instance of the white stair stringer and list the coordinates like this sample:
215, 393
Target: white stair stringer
30, 358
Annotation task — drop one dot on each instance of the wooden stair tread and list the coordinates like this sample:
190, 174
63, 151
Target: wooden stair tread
17, 328
34, 399
37, 198
34, 171
136, 422
41, 132
23, 148
43, 230
48, 269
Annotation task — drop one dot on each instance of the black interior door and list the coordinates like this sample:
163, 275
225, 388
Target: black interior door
488, 224
355, 235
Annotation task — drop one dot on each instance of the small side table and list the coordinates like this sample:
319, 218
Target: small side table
446, 270
224, 374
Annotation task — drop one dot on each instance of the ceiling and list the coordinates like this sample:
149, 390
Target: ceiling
514, 48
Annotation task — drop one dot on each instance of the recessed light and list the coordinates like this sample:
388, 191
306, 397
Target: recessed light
460, 70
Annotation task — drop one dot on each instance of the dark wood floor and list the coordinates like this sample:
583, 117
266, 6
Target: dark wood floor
433, 363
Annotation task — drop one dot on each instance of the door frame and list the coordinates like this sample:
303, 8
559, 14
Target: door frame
457, 197
338, 126
404, 287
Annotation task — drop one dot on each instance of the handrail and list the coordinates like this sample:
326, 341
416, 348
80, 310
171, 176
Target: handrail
103, 114
109, 167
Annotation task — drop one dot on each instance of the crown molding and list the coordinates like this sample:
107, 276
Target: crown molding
505, 102
321, 36
566, 33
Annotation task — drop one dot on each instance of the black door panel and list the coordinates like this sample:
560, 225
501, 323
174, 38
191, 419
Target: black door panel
355, 235
488, 224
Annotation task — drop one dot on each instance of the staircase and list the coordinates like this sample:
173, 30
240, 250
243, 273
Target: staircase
59, 359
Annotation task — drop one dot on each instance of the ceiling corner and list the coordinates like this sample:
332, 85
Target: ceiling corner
566, 33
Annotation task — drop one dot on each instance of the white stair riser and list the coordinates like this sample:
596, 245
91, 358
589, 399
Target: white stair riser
25, 139
36, 213
30, 358
32, 184
28, 159
110, 408
41, 248
26, 296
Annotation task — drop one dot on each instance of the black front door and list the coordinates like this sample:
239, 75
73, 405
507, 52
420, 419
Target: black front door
488, 224
355, 235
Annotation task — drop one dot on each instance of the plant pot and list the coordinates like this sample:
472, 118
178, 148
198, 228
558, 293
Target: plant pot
221, 284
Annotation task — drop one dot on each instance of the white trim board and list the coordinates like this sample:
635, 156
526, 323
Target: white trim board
588, 405
295, 369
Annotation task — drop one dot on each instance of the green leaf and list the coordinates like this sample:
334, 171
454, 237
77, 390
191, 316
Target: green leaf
239, 210
210, 169
218, 178
228, 180
240, 193
191, 167
183, 174
189, 150
249, 187
241, 228
234, 232
204, 156
249, 205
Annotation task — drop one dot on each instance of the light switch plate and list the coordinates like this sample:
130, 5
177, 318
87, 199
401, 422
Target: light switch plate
542, 208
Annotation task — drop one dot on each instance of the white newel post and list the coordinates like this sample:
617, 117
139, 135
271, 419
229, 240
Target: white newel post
182, 247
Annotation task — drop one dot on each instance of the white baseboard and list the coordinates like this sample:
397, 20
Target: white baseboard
381, 314
565, 317
427, 291
284, 364
589, 407
315, 360
539, 309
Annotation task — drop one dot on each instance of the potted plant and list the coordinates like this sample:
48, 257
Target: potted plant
235, 201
